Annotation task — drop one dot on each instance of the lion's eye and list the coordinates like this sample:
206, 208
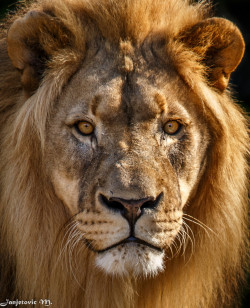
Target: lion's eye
172, 127
85, 127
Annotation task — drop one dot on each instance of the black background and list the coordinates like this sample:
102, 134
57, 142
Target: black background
238, 12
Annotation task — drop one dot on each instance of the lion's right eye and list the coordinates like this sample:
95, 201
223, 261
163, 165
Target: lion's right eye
172, 127
85, 128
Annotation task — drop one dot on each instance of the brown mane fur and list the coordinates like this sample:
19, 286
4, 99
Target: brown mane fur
31, 217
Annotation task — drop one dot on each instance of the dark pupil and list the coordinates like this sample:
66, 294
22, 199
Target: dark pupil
171, 124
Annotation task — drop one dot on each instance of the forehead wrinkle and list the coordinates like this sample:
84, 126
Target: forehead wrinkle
127, 95
94, 104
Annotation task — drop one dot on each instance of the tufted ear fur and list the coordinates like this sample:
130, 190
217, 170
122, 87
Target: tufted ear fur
220, 45
32, 42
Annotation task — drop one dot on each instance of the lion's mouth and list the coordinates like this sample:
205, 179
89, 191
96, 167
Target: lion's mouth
128, 240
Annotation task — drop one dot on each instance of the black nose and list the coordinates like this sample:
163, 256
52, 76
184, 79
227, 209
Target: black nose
130, 209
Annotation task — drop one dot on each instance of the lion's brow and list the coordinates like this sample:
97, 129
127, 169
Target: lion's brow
161, 101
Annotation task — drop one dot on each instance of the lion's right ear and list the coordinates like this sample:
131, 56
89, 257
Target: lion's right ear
220, 46
32, 42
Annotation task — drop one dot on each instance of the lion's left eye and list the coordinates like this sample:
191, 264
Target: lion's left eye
85, 127
172, 127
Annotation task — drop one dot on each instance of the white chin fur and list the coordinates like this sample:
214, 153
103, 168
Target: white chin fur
131, 259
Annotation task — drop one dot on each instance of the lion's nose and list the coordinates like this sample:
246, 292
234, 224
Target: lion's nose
131, 209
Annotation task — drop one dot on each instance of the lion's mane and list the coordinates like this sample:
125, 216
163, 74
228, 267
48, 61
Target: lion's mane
32, 220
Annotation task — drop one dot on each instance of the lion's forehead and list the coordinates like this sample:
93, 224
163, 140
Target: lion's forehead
114, 97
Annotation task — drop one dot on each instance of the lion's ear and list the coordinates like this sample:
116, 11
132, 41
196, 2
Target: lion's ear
220, 45
32, 41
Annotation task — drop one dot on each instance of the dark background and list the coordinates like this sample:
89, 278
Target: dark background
238, 12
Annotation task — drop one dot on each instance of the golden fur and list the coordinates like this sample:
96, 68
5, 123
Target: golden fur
40, 256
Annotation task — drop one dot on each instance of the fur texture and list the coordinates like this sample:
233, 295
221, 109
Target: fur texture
128, 67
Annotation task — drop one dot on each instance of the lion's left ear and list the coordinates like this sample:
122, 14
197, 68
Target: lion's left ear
32, 42
220, 45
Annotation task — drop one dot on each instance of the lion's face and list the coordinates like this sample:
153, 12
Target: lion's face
124, 154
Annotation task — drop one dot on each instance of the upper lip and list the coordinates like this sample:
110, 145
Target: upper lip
130, 239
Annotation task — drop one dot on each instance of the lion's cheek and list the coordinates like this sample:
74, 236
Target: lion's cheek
67, 190
185, 189
159, 231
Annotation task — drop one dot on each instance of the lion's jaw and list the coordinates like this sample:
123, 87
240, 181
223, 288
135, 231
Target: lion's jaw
131, 259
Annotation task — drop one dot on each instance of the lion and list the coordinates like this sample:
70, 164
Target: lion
123, 181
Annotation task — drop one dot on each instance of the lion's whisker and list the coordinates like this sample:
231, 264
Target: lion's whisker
184, 237
189, 237
63, 248
207, 229
178, 249
198, 222
70, 245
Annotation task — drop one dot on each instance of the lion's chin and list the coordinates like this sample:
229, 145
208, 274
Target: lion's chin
131, 259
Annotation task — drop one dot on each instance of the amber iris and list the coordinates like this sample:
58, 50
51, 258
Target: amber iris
85, 127
172, 127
